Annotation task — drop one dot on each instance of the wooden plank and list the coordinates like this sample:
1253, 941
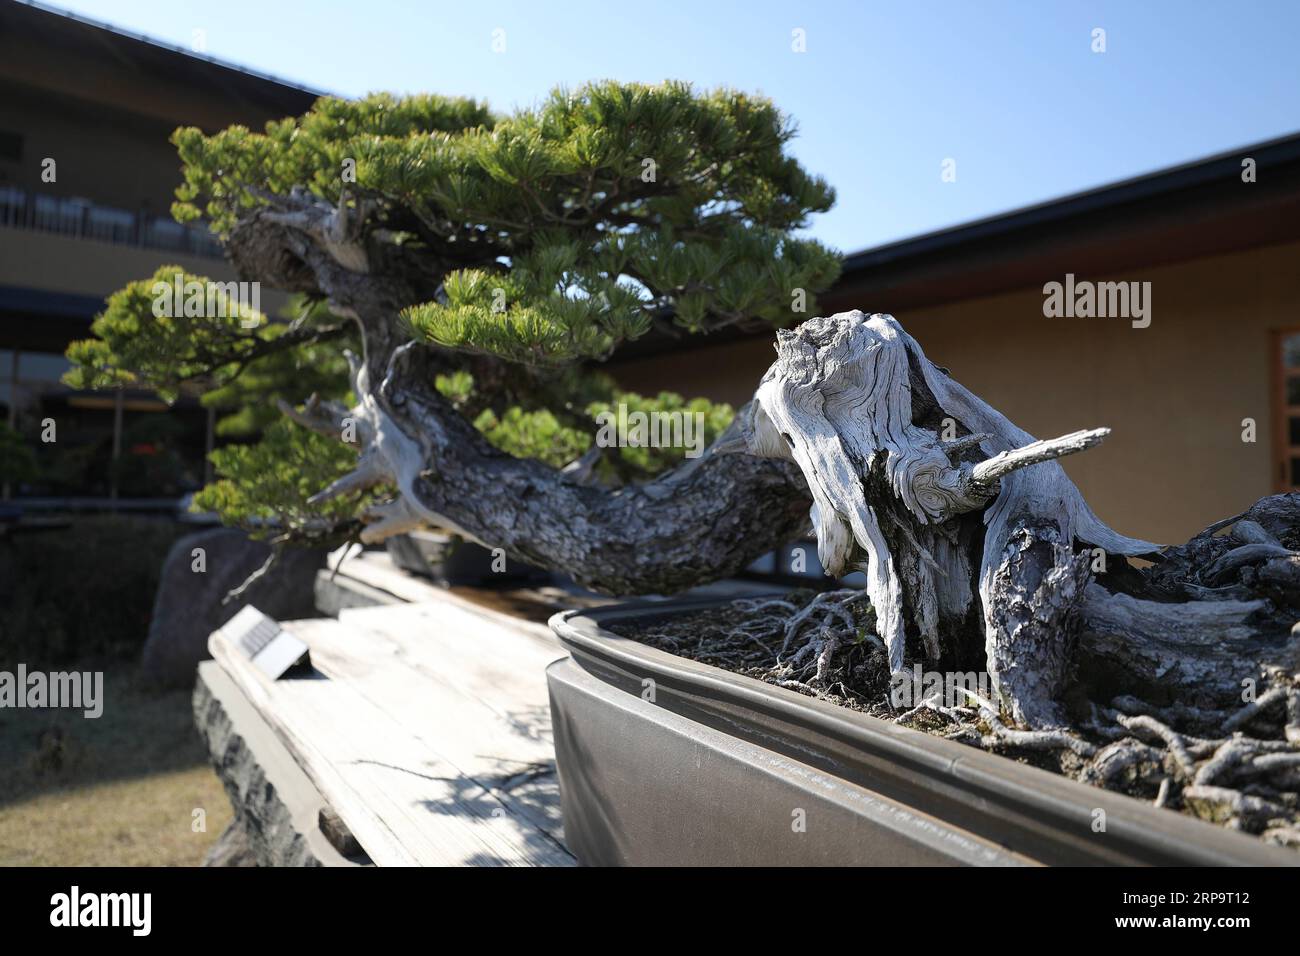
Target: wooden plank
388, 748
499, 669
433, 667
282, 806
532, 605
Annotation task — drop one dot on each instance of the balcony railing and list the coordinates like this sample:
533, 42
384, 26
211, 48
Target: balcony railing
83, 219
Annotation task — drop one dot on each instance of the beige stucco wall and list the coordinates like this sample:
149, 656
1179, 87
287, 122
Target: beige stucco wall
1175, 393
42, 260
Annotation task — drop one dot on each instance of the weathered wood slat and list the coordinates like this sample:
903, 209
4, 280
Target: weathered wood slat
522, 606
467, 657
473, 689
423, 767
277, 808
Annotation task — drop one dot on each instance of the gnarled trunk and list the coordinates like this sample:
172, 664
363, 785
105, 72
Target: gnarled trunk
968, 531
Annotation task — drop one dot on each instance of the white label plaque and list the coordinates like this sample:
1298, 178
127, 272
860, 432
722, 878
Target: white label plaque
272, 650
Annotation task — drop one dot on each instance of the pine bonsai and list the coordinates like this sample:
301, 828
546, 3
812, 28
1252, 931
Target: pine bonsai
491, 263
487, 265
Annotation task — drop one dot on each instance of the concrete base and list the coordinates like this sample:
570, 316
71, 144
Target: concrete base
338, 592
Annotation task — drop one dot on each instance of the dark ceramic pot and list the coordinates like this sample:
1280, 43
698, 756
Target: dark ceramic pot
449, 560
666, 761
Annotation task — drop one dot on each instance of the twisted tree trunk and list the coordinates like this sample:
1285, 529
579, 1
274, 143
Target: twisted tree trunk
856, 404
974, 543
701, 522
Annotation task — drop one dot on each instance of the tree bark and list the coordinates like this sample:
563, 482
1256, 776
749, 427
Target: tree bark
703, 521
974, 542
890, 446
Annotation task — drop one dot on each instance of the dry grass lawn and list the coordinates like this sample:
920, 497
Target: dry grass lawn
119, 790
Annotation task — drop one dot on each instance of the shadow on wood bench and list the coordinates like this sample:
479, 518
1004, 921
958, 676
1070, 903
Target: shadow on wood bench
423, 721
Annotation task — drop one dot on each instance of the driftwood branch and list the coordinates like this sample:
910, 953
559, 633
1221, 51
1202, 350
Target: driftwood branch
976, 546
854, 402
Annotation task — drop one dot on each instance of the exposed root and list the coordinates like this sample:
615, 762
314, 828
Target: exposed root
1226, 758
1223, 805
1266, 700
1150, 727
1178, 757
1138, 736
1243, 782
1175, 713
806, 644
829, 646
963, 717
824, 602
1127, 758
1034, 739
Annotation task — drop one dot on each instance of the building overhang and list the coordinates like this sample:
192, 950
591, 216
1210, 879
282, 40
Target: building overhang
1187, 212
95, 62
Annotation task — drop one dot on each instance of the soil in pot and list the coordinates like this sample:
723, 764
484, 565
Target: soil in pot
1234, 768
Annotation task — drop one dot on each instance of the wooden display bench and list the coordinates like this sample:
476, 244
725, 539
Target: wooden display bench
422, 721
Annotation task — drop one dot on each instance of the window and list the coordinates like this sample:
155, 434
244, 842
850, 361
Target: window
1286, 409
11, 146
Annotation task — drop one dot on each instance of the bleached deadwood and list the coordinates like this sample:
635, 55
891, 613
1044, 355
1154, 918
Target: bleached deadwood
967, 529
1238, 558
1251, 532
855, 403
984, 476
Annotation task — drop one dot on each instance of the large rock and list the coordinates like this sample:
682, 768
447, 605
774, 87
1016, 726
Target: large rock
188, 607
232, 848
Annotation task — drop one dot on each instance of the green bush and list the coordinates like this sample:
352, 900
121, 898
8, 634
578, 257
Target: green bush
82, 591
17, 463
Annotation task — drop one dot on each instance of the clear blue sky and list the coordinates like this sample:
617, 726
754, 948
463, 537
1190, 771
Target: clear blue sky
884, 94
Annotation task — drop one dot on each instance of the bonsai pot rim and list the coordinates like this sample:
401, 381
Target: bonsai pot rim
1034, 815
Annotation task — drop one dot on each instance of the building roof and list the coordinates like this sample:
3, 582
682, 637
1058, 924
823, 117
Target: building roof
113, 66
1184, 212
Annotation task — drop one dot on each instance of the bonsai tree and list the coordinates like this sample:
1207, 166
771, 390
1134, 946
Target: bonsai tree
488, 264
